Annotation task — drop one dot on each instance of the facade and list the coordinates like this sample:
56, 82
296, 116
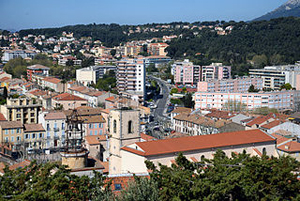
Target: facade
157, 49
37, 69
230, 85
94, 125
68, 101
11, 54
194, 124
11, 132
25, 110
131, 77
194, 148
54, 124
281, 100
97, 146
34, 137
215, 71
157, 60
90, 75
186, 73
53, 83
124, 129
276, 76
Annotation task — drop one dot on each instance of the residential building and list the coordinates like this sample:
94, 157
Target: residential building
157, 60
97, 146
11, 132
230, 85
54, 83
34, 137
194, 124
94, 125
38, 70
276, 76
131, 78
287, 146
262, 120
215, 71
25, 110
68, 101
186, 73
157, 49
280, 100
90, 75
291, 129
11, 54
54, 123
194, 148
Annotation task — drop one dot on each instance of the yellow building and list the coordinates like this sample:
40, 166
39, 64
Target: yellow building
11, 132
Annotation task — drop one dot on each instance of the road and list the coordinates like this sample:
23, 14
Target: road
162, 102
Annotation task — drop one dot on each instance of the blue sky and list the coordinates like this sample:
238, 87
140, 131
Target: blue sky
22, 14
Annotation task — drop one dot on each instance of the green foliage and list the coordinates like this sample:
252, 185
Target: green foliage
240, 177
187, 100
184, 90
139, 190
234, 106
176, 101
286, 86
252, 89
151, 68
265, 110
173, 90
16, 67
108, 82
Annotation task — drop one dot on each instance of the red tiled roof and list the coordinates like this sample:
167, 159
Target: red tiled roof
258, 120
20, 165
291, 146
279, 138
272, 124
111, 99
78, 88
4, 79
175, 145
67, 97
33, 127
95, 139
194, 159
147, 137
219, 114
52, 80
2, 117
182, 110
257, 151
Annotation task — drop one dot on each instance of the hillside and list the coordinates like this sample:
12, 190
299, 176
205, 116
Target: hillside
290, 8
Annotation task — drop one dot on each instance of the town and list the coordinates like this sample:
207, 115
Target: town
98, 109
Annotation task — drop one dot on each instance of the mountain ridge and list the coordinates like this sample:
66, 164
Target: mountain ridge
290, 8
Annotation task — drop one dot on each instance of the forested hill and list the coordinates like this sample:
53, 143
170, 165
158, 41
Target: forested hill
266, 42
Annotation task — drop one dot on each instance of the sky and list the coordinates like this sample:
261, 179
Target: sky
25, 14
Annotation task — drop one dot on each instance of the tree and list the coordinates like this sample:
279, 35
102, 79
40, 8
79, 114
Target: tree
252, 89
260, 61
113, 52
188, 100
70, 62
286, 86
265, 110
239, 177
173, 90
16, 67
234, 106
184, 90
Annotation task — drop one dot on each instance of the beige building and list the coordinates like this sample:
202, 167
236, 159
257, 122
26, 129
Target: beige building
124, 129
254, 142
11, 132
34, 136
97, 146
25, 110
68, 101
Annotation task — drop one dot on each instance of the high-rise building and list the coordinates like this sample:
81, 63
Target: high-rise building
215, 71
131, 79
90, 75
276, 76
186, 72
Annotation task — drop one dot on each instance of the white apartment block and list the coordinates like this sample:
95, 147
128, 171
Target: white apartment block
131, 78
91, 74
11, 54
281, 100
276, 76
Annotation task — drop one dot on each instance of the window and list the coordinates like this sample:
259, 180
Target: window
62, 126
12, 138
18, 130
6, 131
95, 125
130, 130
264, 151
18, 138
48, 127
33, 136
12, 131
100, 132
115, 126
90, 125
91, 132
41, 135
27, 136
95, 133
118, 187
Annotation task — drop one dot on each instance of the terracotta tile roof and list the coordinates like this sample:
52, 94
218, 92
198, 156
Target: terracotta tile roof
78, 88
257, 151
147, 137
94, 139
52, 80
182, 110
86, 111
11, 124
68, 97
33, 127
93, 119
201, 120
38, 66
110, 99
4, 79
279, 138
2, 166
261, 119
106, 166
20, 165
194, 159
2, 117
272, 124
290, 146
55, 115
38, 92
183, 144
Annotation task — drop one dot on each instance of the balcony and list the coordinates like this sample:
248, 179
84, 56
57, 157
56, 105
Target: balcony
56, 129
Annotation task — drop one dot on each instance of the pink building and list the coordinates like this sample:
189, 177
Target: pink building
215, 71
281, 100
186, 73
229, 85
94, 125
